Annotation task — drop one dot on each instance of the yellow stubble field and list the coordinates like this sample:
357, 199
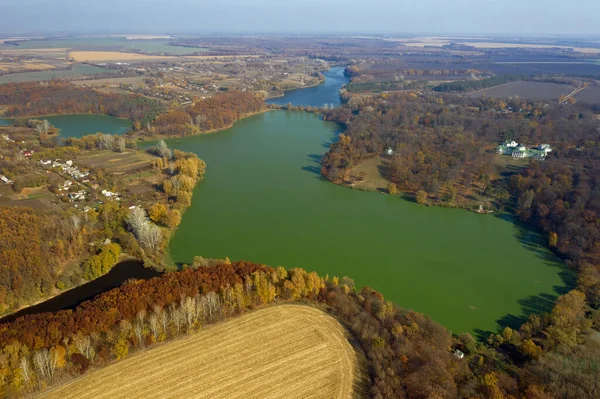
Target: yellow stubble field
286, 351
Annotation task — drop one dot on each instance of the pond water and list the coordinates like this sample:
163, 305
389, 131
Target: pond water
70, 299
78, 125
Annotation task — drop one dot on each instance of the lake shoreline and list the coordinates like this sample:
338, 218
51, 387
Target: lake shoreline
15, 118
320, 82
144, 139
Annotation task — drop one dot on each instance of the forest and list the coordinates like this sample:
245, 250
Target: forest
30, 99
214, 113
444, 145
33, 247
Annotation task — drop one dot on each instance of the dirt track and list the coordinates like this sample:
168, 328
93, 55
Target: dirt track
287, 351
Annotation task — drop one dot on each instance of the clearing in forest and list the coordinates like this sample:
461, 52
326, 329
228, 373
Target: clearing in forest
287, 351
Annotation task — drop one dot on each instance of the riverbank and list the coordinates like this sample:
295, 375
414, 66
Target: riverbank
368, 176
149, 138
126, 269
285, 92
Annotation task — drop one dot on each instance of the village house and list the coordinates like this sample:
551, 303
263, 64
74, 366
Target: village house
6, 180
79, 195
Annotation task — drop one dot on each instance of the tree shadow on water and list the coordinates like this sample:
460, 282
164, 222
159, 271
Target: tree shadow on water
535, 242
533, 304
315, 164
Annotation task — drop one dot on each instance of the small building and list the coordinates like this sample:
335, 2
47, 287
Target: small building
27, 153
459, 354
6, 180
389, 151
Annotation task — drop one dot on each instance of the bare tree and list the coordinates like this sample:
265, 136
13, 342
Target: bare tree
153, 323
45, 363
40, 126
137, 219
76, 222
163, 149
120, 144
141, 315
213, 303
163, 318
83, 343
25, 370
138, 329
105, 141
150, 236
188, 306
176, 317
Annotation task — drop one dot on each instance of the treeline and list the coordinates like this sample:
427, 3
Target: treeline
217, 112
28, 99
407, 354
377, 87
383, 68
462, 86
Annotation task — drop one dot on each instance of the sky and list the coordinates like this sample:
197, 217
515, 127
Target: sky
521, 17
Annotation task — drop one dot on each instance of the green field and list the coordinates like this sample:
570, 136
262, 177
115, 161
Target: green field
106, 44
78, 70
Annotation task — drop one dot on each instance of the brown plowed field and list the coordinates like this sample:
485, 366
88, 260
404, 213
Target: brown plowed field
287, 351
537, 91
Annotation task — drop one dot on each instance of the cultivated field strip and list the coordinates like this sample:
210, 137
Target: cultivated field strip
287, 351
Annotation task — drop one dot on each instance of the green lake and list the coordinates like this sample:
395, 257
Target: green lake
78, 70
263, 200
82, 124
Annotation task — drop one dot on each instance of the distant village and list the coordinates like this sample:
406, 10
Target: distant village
516, 150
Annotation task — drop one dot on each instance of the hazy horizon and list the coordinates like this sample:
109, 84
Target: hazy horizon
427, 17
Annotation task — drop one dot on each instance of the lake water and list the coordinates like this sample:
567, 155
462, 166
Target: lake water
48, 75
79, 125
263, 200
